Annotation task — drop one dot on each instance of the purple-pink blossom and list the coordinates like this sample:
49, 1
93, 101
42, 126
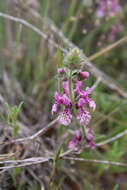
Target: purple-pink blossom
60, 70
75, 140
66, 101
54, 108
107, 8
91, 104
65, 117
84, 75
83, 116
100, 13
85, 93
65, 87
81, 103
89, 139
78, 86
57, 97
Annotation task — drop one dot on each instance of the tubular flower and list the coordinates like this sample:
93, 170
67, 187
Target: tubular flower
83, 116
54, 108
89, 140
60, 70
81, 103
58, 100
84, 75
76, 138
91, 104
65, 87
65, 117
78, 86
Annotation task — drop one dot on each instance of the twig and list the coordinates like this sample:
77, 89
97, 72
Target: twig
32, 27
23, 163
32, 173
38, 160
107, 49
114, 138
96, 161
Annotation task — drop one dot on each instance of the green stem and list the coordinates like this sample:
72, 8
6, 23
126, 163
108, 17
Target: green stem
53, 172
83, 130
71, 95
71, 91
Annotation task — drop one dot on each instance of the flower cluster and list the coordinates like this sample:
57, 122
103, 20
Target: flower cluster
81, 101
74, 102
107, 8
114, 31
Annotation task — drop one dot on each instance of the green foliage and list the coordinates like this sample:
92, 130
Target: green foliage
12, 116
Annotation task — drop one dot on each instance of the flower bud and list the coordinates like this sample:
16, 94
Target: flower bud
84, 75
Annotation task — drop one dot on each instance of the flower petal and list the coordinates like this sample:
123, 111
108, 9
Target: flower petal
54, 108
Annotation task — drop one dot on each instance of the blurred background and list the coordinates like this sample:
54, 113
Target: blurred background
28, 65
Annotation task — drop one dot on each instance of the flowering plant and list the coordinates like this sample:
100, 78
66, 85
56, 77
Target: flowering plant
73, 102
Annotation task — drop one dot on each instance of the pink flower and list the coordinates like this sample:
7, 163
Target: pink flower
58, 101
91, 103
81, 102
83, 116
58, 98
78, 86
54, 108
107, 7
76, 138
60, 70
65, 117
84, 75
100, 13
61, 100
65, 101
65, 87
89, 140
85, 93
